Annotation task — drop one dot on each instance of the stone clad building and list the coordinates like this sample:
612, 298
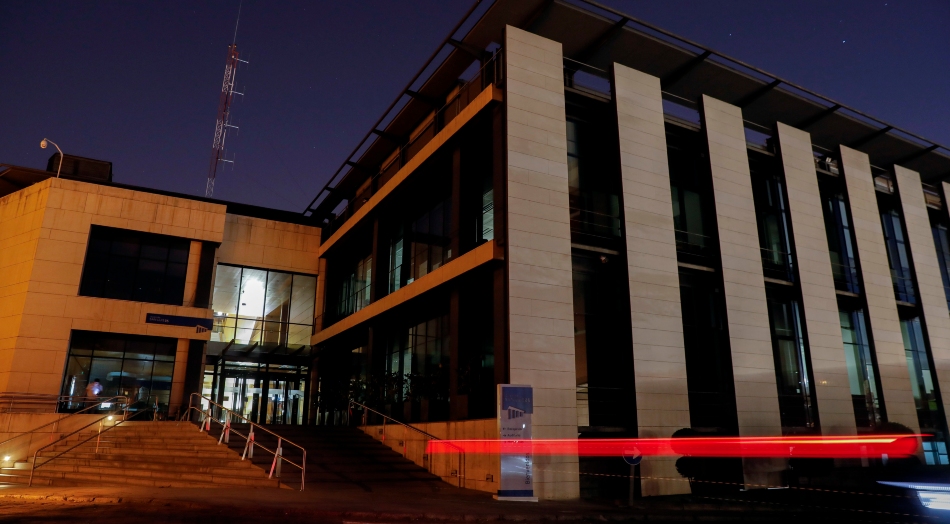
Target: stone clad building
650, 234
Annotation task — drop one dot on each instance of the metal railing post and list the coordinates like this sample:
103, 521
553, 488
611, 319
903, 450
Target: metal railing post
226, 429
249, 445
275, 465
99, 437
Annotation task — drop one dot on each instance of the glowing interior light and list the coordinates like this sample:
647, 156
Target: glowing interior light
110, 417
252, 298
6, 458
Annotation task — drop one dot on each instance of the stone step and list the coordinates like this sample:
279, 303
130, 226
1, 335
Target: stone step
171, 447
61, 478
180, 472
228, 460
137, 463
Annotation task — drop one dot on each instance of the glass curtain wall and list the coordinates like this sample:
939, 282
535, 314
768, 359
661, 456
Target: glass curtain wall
594, 206
844, 264
862, 370
691, 192
257, 306
355, 289
771, 208
921, 376
426, 247
795, 397
709, 378
417, 371
942, 243
602, 341
431, 240
897, 256
138, 367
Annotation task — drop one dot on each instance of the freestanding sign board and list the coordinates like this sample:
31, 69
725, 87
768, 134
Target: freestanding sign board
515, 406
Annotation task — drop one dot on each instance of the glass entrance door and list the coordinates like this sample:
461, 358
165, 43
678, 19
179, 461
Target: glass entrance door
264, 393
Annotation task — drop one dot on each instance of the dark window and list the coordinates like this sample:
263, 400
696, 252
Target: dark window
417, 369
431, 240
602, 341
791, 360
942, 242
844, 264
771, 209
355, 289
897, 256
134, 366
862, 372
594, 204
923, 385
130, 265
709, 379
691, 191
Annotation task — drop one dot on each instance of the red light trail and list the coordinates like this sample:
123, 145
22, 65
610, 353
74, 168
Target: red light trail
893, 446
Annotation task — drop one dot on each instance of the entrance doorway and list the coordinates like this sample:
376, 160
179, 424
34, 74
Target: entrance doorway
260, 392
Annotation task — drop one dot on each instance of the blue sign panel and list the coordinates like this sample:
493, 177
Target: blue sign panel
202, 324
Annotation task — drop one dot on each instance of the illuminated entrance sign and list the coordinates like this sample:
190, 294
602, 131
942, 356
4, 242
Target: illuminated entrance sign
516, 404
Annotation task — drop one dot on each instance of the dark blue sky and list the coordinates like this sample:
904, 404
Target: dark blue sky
137, 83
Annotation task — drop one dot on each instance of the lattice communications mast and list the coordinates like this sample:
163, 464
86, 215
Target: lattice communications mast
224, 110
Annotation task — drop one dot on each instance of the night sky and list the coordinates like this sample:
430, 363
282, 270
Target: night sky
137, 83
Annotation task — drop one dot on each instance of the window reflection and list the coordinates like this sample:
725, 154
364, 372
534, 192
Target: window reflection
134, 366
256, 306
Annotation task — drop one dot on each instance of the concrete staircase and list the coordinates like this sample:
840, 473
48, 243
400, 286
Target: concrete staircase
339, 457
155, 454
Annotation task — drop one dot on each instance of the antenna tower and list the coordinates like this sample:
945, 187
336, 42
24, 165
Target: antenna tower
224, 110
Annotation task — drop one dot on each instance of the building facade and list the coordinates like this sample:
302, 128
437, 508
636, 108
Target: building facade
652, 236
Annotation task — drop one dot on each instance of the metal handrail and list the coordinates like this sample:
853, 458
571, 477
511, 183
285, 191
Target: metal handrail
110, 400
8, 400
98, 437
427, 434
204, 424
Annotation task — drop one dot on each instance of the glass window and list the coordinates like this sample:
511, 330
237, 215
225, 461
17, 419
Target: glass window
771, 209
395, 263
691, 194
929, 410
709, 376
897, 256
942, 242
355, 289
486, 219
594, 193
134, 366
431, 241
791, 360
257, 306
862, 373
844, 265
131, 265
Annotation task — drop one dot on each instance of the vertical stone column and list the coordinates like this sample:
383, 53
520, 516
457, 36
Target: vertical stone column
659, 355
933, 299
830, 370
878, 289
540, 287
750, 338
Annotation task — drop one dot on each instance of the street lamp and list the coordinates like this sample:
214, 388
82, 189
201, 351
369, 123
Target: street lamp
44, 143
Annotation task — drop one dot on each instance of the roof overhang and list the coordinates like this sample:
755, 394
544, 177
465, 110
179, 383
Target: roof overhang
600, 36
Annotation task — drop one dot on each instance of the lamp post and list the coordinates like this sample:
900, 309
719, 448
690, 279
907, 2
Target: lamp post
44, 143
